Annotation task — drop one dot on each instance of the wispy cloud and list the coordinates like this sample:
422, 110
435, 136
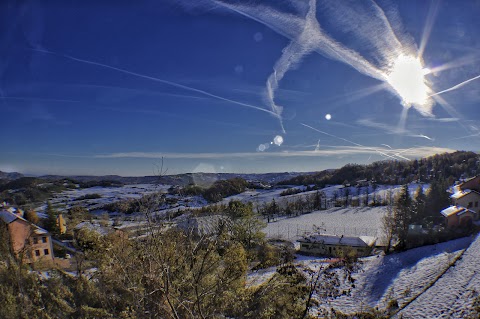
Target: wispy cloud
391, 129
155, 79
380, 41
443, 119
415, 152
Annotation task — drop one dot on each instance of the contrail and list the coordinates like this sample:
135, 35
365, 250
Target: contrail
181, 86
456, 86
424, 136
387, 146
348, 141
306, 36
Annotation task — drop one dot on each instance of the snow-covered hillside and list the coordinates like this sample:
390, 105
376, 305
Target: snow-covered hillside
452, 296
427, 282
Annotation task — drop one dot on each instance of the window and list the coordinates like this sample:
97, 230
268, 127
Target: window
44, 239
37, 252
476, 204
470, 204
45, 251
35, 240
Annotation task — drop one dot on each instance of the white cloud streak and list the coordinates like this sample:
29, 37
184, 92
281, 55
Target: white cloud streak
391, 129
455, 87
337, 151
170, 83
363, 20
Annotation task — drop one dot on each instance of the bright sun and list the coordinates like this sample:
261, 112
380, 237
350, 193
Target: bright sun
407, 78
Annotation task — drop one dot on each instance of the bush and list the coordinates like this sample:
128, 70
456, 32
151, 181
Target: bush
290, 191
89, 196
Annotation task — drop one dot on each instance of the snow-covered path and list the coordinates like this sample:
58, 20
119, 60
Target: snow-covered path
453, 294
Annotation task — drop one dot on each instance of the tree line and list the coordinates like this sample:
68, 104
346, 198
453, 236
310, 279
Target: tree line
447, 166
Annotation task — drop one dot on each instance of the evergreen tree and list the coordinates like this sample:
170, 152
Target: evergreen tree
437, 198
419, 203
403, 215
51, 221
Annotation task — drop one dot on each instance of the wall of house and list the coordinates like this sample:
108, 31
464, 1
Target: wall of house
472, 184
452, 221
20, 231
470, 201
319, 249
41, 248
466, 219
33, 247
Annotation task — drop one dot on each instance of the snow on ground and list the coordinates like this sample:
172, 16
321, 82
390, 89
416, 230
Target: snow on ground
108, 194
337, 221
256, 278
261, 196
453, 294
400, 276
404, 277
257, 195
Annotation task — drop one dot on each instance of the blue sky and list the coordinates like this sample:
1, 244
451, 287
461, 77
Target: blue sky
90, 88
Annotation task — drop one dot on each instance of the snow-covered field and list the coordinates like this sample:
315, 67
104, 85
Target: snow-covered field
108, 194
338, 221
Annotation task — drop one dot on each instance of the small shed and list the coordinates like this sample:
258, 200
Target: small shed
337, 246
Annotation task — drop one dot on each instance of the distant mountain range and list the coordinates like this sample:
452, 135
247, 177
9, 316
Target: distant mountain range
10, 176
450, 166
179, 179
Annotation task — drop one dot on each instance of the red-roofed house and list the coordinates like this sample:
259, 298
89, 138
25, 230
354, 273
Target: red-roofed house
27, 240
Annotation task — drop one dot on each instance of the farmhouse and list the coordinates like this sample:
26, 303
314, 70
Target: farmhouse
458, 216
27, 241
336, 246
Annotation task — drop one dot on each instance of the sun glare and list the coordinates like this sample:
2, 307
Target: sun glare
407, 78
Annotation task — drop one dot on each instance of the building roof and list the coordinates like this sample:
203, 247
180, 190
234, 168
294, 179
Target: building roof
8, 217
455, 210
361, 241
463, 193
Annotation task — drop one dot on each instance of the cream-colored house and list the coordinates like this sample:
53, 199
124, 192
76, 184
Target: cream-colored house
471, 183
469, 199
337, 246
27, 241
456, 216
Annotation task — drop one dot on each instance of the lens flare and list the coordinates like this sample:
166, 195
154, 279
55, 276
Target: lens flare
278, 140
407, 78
